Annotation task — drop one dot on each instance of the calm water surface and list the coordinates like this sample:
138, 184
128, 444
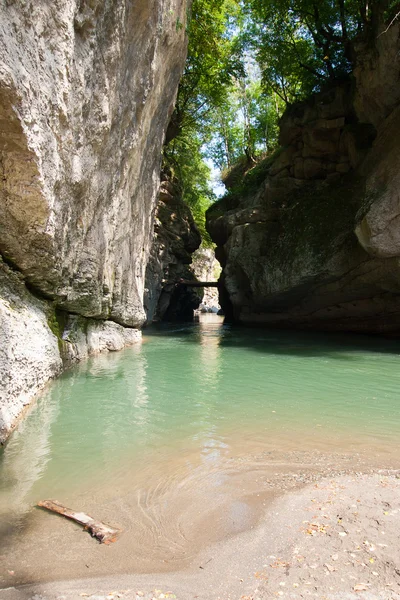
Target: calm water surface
143, 435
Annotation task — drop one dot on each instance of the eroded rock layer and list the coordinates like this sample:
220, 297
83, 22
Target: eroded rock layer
315, 241
87, 88
176, 237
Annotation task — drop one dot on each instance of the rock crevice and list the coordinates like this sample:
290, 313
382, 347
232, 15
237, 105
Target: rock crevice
176, 237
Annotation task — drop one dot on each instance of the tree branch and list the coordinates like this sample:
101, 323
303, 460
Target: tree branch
390, 24
342, 19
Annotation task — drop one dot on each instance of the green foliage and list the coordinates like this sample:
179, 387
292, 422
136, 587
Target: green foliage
57, 320
212, 63
53, 323
249, 183
184, 158
300, 44
214, 57
391, 14
245, 125
247, 61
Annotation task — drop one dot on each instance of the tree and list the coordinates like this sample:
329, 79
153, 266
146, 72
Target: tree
247, 60
223, 145
184, 158
214, 57
302, 44
213, 62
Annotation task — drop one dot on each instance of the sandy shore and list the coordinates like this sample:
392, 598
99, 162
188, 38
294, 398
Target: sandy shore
337, 538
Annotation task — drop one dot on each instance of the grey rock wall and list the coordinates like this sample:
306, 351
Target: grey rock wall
87, 88
86, 92
29, 352
207, 268
176, 237
316, 244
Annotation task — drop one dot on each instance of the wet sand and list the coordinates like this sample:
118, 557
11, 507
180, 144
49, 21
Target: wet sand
273, 530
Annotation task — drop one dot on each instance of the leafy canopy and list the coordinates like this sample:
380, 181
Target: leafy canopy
213, 61
247, 60
302, 44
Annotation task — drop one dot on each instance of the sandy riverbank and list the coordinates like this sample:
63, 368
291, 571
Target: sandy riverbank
337, 538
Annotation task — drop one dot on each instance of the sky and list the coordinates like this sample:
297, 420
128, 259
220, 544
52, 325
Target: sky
217, 186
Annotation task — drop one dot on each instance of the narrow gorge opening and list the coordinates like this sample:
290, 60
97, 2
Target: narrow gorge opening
271, 147
233, 159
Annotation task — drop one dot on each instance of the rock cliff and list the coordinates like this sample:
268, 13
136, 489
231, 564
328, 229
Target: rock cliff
87, 88
176, 237
312, 238
207, 268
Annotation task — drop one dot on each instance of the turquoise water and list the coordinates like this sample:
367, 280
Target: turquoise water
208, 387
173, 413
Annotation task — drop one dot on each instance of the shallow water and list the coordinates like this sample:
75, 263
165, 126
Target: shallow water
180, 440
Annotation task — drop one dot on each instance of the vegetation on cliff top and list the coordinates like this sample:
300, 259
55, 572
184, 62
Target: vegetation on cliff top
247, 61
213, 61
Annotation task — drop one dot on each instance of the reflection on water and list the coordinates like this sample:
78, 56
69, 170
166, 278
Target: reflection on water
26, 459
154, 434
206, 386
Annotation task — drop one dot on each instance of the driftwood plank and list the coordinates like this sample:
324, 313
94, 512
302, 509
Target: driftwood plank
104, 533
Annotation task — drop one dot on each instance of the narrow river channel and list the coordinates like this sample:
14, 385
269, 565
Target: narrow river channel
183, 440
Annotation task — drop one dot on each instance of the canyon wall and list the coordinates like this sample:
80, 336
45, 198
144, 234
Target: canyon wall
207, 268
175, 239
87, 88
311, 238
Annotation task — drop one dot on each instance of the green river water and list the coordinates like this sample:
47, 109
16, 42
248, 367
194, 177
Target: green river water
172, 440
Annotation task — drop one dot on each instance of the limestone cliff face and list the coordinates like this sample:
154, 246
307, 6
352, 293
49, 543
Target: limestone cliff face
176, 237
29, 353
315, 241
86, 91
207, 268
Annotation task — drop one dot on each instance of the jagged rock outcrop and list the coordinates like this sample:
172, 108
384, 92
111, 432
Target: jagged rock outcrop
315, 242
36, 344
87, 88
176, 237
207, 268
29, 353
